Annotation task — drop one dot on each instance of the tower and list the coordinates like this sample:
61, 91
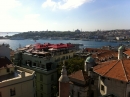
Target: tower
89, 63
64, 83
120, 52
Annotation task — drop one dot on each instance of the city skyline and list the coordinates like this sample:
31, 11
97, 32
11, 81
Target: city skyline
63, 15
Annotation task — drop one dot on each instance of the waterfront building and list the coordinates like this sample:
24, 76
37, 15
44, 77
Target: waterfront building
15, 81
44, 59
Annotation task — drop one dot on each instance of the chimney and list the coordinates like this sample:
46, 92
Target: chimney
22, 74
120, 52
64, 86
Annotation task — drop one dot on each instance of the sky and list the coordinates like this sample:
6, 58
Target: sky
63, 15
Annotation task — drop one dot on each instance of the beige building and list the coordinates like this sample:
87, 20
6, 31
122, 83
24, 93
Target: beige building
15, 81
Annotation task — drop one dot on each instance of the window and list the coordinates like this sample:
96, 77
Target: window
72, 93
34, 64
12, 92
51, 87
8, 70
41, 95
41, 77
92, 82
33, 83
52, 77
102, 87
78, 94
36, 93
128, 94
0, 94
41, 87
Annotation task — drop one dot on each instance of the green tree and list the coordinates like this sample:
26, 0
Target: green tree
72, 65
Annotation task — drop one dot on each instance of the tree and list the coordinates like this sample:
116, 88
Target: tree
72, 65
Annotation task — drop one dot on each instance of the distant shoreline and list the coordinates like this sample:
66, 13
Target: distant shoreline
8, 33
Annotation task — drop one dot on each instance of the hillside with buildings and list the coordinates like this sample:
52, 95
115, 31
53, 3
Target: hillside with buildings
108, 35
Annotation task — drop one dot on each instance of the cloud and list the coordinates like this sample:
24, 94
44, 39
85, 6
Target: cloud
64, 4
27, 23
6, 5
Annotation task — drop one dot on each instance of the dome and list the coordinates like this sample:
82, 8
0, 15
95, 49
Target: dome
89, 59
121, 48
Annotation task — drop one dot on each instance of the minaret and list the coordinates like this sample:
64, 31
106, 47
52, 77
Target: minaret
64, 83
120, 52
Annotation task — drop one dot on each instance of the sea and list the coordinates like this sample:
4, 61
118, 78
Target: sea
14, 44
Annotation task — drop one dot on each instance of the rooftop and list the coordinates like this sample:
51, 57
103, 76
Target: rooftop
16, 74
116, 69
79, 75
127, 52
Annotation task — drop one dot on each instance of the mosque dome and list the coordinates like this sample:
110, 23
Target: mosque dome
89, 60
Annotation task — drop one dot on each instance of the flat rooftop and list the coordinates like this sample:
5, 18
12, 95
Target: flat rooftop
16, 74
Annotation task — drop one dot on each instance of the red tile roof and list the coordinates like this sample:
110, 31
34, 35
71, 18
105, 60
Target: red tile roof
55, 46
127, 52
79, 75
116, 69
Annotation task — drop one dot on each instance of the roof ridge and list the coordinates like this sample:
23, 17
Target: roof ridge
100, 66
124, 70
111, 68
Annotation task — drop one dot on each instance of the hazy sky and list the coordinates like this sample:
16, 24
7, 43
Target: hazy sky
30, 15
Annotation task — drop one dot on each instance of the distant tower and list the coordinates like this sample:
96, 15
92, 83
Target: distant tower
120, 52
64, 83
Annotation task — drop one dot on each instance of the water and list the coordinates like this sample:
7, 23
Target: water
14, 44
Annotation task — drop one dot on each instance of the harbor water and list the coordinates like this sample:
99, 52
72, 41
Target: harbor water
14, 44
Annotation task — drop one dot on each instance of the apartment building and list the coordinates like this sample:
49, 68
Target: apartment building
43, 59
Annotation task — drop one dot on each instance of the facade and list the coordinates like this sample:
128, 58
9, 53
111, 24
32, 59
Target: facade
78, 84
15, 81
43, 59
